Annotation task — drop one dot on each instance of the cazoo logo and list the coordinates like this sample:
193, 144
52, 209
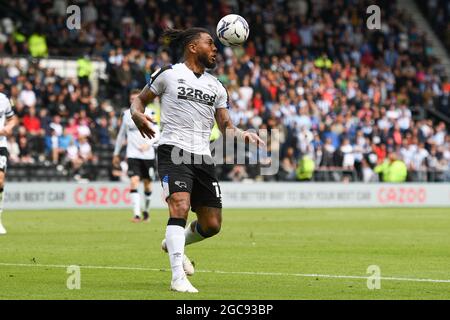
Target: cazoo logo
400, 195
101, 195
196, 95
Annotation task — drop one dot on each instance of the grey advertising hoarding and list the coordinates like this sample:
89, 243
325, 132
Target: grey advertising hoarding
235, 195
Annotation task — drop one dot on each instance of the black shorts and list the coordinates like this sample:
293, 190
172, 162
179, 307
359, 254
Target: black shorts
143, 168
199, 180
3, 159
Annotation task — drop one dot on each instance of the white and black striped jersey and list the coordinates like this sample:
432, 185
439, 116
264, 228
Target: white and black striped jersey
6, 112
137, 146
188, 105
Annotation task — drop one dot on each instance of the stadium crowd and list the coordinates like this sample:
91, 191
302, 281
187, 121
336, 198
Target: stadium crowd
437, 13
344, 99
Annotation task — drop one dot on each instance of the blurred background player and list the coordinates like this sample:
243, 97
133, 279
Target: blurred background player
7, 122
140, 156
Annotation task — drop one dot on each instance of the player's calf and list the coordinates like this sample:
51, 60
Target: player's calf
136, 203
188, 267
145, 213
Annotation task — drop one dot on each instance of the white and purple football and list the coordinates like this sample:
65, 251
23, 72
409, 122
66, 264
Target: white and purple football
232, 30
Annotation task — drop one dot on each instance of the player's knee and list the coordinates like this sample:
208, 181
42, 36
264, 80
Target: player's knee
212, 228
179, 206
147, 184
134, 182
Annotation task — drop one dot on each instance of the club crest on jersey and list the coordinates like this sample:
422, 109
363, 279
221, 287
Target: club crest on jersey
196, 95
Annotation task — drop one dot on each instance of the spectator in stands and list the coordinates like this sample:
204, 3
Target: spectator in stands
392, 169
84, 69
328, 157
84, 129
56, 125
74, 160
87, 157
45, 120
85, 149
238, 173
368, 173
348, 160
379, 149
72, 128
102, 132
304, 138
288, 165
89, 13
52, 145
438, 14
439, 136
31, 122
64, 141
419, 162
305, 168
25, 156
27, 96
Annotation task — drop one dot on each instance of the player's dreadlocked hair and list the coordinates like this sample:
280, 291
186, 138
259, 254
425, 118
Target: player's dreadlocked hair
179, 39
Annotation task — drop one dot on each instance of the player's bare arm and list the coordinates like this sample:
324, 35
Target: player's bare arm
9, 126
120, 139
143, 121
228, 129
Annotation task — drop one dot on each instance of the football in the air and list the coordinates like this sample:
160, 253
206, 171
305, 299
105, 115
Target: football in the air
232, 30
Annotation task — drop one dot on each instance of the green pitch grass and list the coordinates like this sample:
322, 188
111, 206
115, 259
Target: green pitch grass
260, 254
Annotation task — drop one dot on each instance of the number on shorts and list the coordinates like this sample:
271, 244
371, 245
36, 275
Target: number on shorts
216, 186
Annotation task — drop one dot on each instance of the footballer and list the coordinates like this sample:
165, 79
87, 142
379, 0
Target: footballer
140, 154
7, 123
191, 99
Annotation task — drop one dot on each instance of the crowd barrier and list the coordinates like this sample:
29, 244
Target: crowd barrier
66, 195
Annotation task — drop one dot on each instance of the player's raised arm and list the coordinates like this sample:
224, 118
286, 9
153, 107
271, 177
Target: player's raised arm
229, 130
143, 121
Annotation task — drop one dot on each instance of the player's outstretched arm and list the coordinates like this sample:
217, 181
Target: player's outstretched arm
137, 109
229, 130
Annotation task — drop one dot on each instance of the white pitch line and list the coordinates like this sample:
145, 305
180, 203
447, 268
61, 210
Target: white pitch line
227, 272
